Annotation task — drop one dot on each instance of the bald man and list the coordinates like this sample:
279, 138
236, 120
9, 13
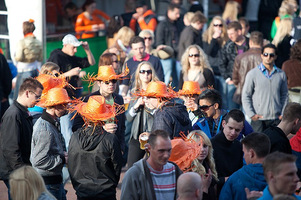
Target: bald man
190, 186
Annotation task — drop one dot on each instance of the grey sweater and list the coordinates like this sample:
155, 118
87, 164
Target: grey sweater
47, 154
263, 96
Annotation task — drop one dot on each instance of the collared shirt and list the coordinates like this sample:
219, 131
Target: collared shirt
266, 72
146, 58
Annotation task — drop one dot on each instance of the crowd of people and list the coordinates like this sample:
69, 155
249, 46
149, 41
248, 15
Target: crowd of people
189, 113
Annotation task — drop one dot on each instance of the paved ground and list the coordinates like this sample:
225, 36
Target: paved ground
70, 195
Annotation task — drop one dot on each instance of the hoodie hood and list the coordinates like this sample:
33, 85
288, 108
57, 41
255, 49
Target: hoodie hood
179, 112
89, 138
253, 176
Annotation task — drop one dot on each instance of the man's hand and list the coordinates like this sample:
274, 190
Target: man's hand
110, 128
66, 157
253, 194
256, 117
85, 45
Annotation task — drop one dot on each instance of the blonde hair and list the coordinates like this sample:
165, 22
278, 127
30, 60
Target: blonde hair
49, 68
207, 36
231, 11
189, 16
124, 35
137, 83
200, 137
26, 183
203, 60
288, 7
284, 29
147, 32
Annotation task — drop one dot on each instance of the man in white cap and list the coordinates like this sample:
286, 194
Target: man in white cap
66, 59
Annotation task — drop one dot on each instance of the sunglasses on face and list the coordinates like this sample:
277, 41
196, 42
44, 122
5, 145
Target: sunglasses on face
272, 55
145, 71
205, 107
115, 61
194, 55
219, 25
148, 38
110, 81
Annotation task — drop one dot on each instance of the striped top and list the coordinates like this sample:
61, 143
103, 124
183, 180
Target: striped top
164, 181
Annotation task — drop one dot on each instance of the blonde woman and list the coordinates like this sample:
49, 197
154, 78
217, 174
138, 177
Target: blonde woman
122, 45
195, 67
214, 38
231, 11
27, 183
204, 164
282, 41
137, 113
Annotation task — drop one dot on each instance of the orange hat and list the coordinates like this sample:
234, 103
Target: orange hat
107, 72
183, 152
190, 88
54, 96
49, 82
96, 109
157, 89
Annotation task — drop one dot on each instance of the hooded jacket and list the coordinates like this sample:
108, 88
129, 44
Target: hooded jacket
249, 176
95, 163
173, 118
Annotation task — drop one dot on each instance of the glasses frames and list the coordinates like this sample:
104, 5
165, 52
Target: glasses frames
194, 55
148, 38
218, 25
205, 107
110, 81
145, 71
272, 55
36, 96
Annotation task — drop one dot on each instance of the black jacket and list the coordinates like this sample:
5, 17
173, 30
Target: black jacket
167, 33
173, 118
227, 57
279, 141
5, 78
15, 139
79, 122
95, 163
189, 36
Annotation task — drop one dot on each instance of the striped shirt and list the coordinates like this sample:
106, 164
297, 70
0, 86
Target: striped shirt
164, 181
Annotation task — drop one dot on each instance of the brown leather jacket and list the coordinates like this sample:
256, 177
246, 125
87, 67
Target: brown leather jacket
242, 65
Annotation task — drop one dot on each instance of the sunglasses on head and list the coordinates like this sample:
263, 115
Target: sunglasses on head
272, 55
205, 107
145, 71
110, 81
219, 25
148, 38
194, 55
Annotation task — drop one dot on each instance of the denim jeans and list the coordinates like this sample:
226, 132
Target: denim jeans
66, 127
261, 125
57, 190
20, 78
176, 75
8, 188
167, 65
230, 92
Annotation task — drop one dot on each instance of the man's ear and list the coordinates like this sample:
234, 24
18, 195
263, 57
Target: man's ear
216, 105
252, 153
224, 123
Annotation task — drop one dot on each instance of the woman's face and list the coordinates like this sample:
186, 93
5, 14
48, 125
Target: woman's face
147, 40
217, 25
145, 73
90, 8
194, 56
204, 151
115, 63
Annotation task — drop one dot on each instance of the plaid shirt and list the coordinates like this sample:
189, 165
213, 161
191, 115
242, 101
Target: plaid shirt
266, 72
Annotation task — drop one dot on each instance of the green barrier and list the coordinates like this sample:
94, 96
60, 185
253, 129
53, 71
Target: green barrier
97, 45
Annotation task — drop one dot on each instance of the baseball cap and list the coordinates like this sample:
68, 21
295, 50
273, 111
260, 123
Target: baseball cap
71, 39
